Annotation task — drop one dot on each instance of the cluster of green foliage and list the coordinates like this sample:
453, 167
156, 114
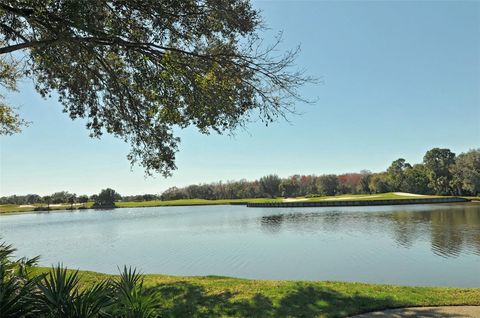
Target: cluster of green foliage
140, 69
141, 197
10, 121
60, 197
58, 292
106, 199
441, 173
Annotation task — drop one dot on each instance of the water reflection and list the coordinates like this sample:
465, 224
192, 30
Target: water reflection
449, 231
272, 223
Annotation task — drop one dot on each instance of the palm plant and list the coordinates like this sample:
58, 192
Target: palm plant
130, 298
60, 295
16, 287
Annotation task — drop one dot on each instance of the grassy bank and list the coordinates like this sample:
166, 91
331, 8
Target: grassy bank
364, 197
232, 297
10, 208
190, 202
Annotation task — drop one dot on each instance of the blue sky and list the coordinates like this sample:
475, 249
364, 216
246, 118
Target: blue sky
398, 78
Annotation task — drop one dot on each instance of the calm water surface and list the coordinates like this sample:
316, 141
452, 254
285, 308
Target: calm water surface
408, 245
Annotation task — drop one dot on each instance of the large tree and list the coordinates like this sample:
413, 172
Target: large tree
364, 184
396, 174
416, 180
289, 187
270, 185
327, 184
139, 69
83, 199
466, 173
106, 198
438, 163
379, 183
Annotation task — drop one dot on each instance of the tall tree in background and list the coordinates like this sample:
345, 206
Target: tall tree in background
288, 187
379, 183
139, 69
466, 173
72, 199
83, 199
106, 199
270, 185
48, 200
327, 184
364, 185
396, 174
438, 163
416, 180
349, 183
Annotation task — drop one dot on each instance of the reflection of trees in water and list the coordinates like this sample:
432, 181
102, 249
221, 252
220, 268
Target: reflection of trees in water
302, 222
450, 230
272, 223
454, 230
408, 226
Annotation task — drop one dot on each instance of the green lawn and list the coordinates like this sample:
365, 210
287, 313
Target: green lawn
10, 208
190, 202
476, 198
379, 196
231, 297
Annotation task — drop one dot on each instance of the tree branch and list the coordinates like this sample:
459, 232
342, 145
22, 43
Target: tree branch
25, 45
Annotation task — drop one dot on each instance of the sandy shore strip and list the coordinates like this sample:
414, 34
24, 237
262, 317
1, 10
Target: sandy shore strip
294, 199
51, 205
352, 197
406, 194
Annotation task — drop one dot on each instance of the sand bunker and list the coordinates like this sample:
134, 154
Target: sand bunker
352, 197
294, 200
409, 194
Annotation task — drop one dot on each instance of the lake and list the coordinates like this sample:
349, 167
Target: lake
436, 245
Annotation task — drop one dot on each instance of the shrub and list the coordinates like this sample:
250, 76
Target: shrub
314, 195
59, 292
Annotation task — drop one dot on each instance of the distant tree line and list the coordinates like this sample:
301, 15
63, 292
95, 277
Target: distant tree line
441, 173
104, 198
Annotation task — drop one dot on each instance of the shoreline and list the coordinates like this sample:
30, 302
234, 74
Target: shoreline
340, 203
180, 277
270, 203
238, 297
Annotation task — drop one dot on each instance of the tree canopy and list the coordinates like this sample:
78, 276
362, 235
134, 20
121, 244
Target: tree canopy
466, 172
139, 69
106, 198
10, 121
270, 185
438, 163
